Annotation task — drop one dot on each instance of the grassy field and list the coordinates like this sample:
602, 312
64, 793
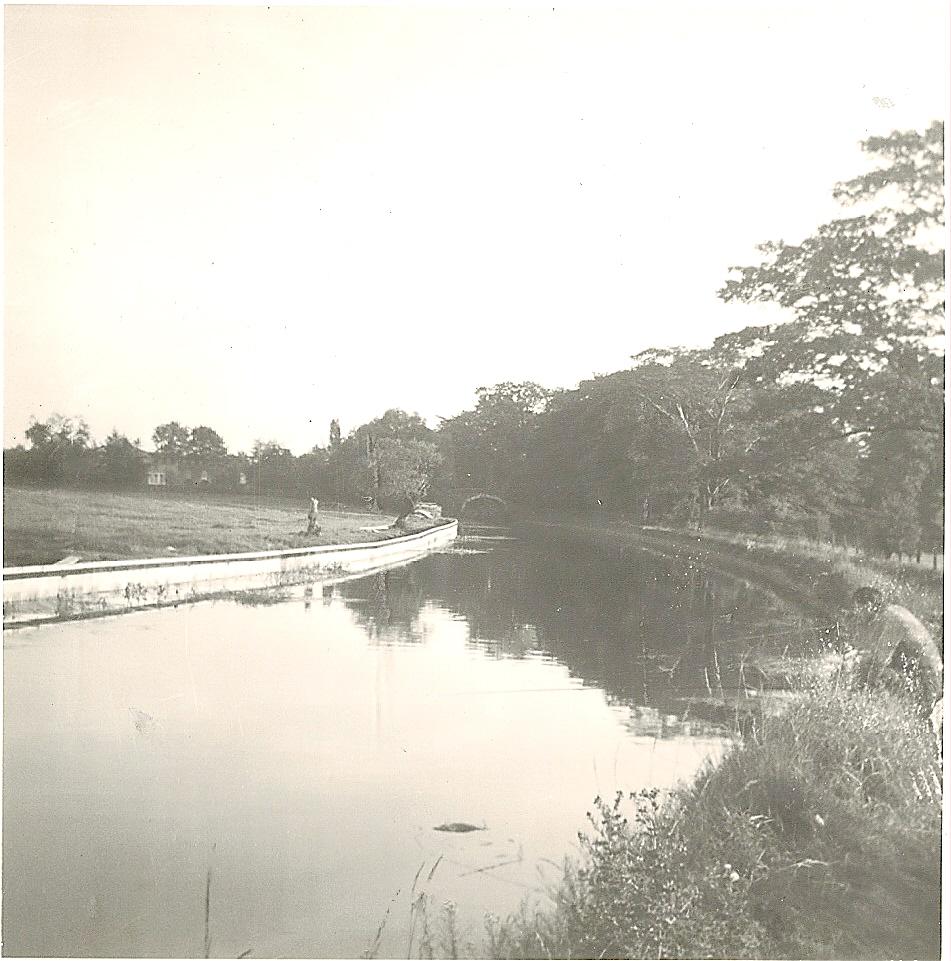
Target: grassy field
41, 526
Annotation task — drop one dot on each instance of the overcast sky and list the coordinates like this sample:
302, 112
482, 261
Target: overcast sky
259, 219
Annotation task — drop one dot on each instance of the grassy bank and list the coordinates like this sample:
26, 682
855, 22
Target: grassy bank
42, 526
819, 836
917, 587
820, 577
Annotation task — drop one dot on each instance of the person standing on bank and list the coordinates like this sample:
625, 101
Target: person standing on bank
312, 526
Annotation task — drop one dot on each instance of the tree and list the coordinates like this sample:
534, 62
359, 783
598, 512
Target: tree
355, 464
39, 434
577, 452
897, 468
205, 442
865, 292
268, 450
867, 302
171, 439
488, 446
703, 412
272, 467
120, 461
396, 423
60, 451
332, 468
404, 473
57, 428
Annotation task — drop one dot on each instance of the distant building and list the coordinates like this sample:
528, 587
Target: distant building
220, 473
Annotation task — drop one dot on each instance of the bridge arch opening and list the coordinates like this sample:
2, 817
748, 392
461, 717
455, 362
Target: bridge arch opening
483, 505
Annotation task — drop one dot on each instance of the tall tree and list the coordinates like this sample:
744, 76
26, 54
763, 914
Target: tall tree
489, 445
61, 451
205, 442
356, 464
272, 466
171, 438
577, 451
121, 462
404, 472
866, 297
866, 293
704, 412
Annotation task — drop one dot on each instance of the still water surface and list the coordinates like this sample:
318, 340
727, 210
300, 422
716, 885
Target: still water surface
300, 748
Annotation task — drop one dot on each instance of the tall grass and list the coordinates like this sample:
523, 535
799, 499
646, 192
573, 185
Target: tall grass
819, 836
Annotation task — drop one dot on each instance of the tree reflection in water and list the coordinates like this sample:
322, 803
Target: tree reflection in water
653, 632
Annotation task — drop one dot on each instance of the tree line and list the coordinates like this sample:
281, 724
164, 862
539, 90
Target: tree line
829, 424
390, 461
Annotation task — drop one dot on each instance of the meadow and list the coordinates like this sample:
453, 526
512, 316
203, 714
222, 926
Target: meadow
45, 526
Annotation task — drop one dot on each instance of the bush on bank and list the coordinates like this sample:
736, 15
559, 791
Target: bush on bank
819, 836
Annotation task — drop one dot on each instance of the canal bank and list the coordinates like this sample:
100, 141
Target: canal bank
819, 835
51, 592
820, 582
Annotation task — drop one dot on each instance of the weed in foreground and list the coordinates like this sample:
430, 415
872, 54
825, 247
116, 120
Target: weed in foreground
818, 837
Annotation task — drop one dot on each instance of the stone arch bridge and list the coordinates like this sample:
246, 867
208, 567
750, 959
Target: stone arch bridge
469, 499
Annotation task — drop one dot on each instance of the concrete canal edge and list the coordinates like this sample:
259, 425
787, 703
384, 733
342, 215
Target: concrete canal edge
51, 592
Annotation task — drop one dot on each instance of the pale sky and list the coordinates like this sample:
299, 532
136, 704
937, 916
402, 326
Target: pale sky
261, 218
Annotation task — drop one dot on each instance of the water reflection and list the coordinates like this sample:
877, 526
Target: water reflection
303, 746
652, 632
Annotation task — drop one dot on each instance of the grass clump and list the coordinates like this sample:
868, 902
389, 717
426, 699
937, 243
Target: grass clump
819, 836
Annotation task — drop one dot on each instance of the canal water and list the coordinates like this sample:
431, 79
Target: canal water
267, 773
